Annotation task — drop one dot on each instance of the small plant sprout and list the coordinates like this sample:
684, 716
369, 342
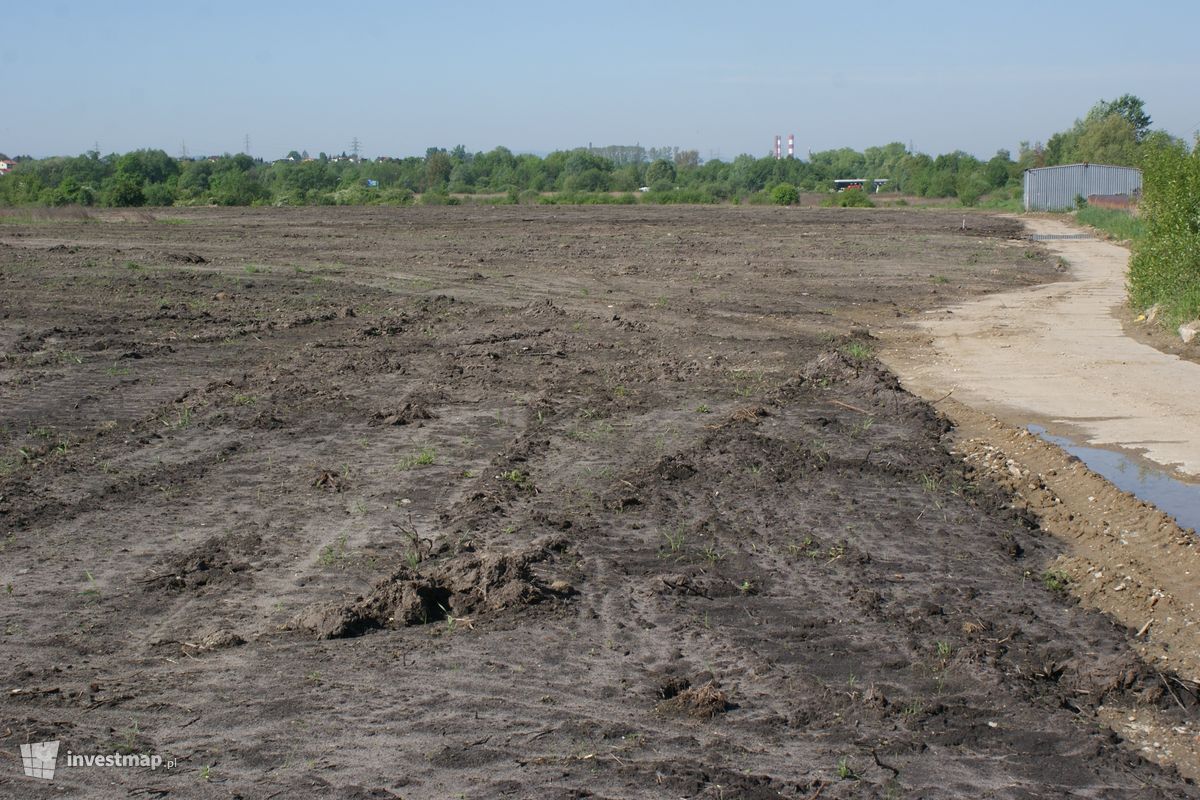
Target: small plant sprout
516, 478
845, 771
944, 650
675, 540
1056, 580
335, 553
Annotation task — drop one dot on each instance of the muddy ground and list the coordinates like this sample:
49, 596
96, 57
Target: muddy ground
526, 502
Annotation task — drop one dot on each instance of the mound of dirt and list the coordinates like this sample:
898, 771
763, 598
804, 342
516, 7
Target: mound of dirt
458, 588
220, 559
411, 411
703, 702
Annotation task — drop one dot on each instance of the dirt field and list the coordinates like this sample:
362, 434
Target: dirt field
526, 502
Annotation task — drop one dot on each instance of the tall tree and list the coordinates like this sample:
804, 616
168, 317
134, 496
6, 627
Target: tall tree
1133, 110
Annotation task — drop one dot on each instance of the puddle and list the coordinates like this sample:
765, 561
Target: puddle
1175, 497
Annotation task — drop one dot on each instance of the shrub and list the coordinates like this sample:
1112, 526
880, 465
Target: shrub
679, 196
970, 188
159, 194
432, 198
123, 190
396, 196
851, 198
785, 194
1165, 268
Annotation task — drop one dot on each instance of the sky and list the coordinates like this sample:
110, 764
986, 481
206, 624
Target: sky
720, 78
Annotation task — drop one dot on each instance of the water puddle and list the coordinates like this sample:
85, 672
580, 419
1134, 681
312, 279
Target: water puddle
1175, 497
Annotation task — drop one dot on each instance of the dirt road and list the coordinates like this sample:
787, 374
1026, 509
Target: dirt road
1056, 352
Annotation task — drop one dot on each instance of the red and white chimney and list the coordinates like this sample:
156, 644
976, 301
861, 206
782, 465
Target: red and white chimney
791, 145
778, 150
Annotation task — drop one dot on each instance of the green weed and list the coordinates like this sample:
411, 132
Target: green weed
1056, 580
424, 458
334, 554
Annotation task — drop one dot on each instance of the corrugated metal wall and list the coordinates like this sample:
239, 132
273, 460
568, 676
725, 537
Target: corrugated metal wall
1055, 188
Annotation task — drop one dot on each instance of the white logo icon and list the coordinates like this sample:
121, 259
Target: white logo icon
39, 759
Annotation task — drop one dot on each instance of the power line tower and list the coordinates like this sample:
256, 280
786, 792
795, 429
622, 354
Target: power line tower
183, 153
354, 146
246, 145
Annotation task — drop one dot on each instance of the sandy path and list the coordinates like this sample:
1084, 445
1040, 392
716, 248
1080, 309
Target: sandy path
1058, 353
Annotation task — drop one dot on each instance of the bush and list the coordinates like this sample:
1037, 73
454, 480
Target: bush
785, 194
232, 187
1165, 268
851, 198
123, 191
432, 198
679, 197
970, 188
159, 194
396, 196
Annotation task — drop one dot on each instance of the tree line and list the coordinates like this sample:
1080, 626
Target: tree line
1112, 132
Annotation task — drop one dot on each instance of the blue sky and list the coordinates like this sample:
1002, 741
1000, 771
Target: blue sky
722, 78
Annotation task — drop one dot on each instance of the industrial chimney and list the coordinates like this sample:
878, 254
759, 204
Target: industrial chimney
791, 145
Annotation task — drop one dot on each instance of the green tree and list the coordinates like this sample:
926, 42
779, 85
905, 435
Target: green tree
660, 172
1132, 110
148, 166
1111, 139
438, 167
234, 187
590, 180
122, 190
970, 186
999, 169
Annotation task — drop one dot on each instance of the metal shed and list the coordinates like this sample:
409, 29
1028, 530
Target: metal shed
1056, 188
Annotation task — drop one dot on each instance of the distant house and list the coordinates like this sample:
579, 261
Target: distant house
6, 165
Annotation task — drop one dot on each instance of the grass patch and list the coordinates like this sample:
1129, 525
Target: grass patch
1118, 224
858, 351
425, 458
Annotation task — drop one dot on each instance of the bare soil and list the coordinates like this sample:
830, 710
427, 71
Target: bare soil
528, 502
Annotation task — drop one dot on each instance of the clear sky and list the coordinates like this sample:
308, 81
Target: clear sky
722, 78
